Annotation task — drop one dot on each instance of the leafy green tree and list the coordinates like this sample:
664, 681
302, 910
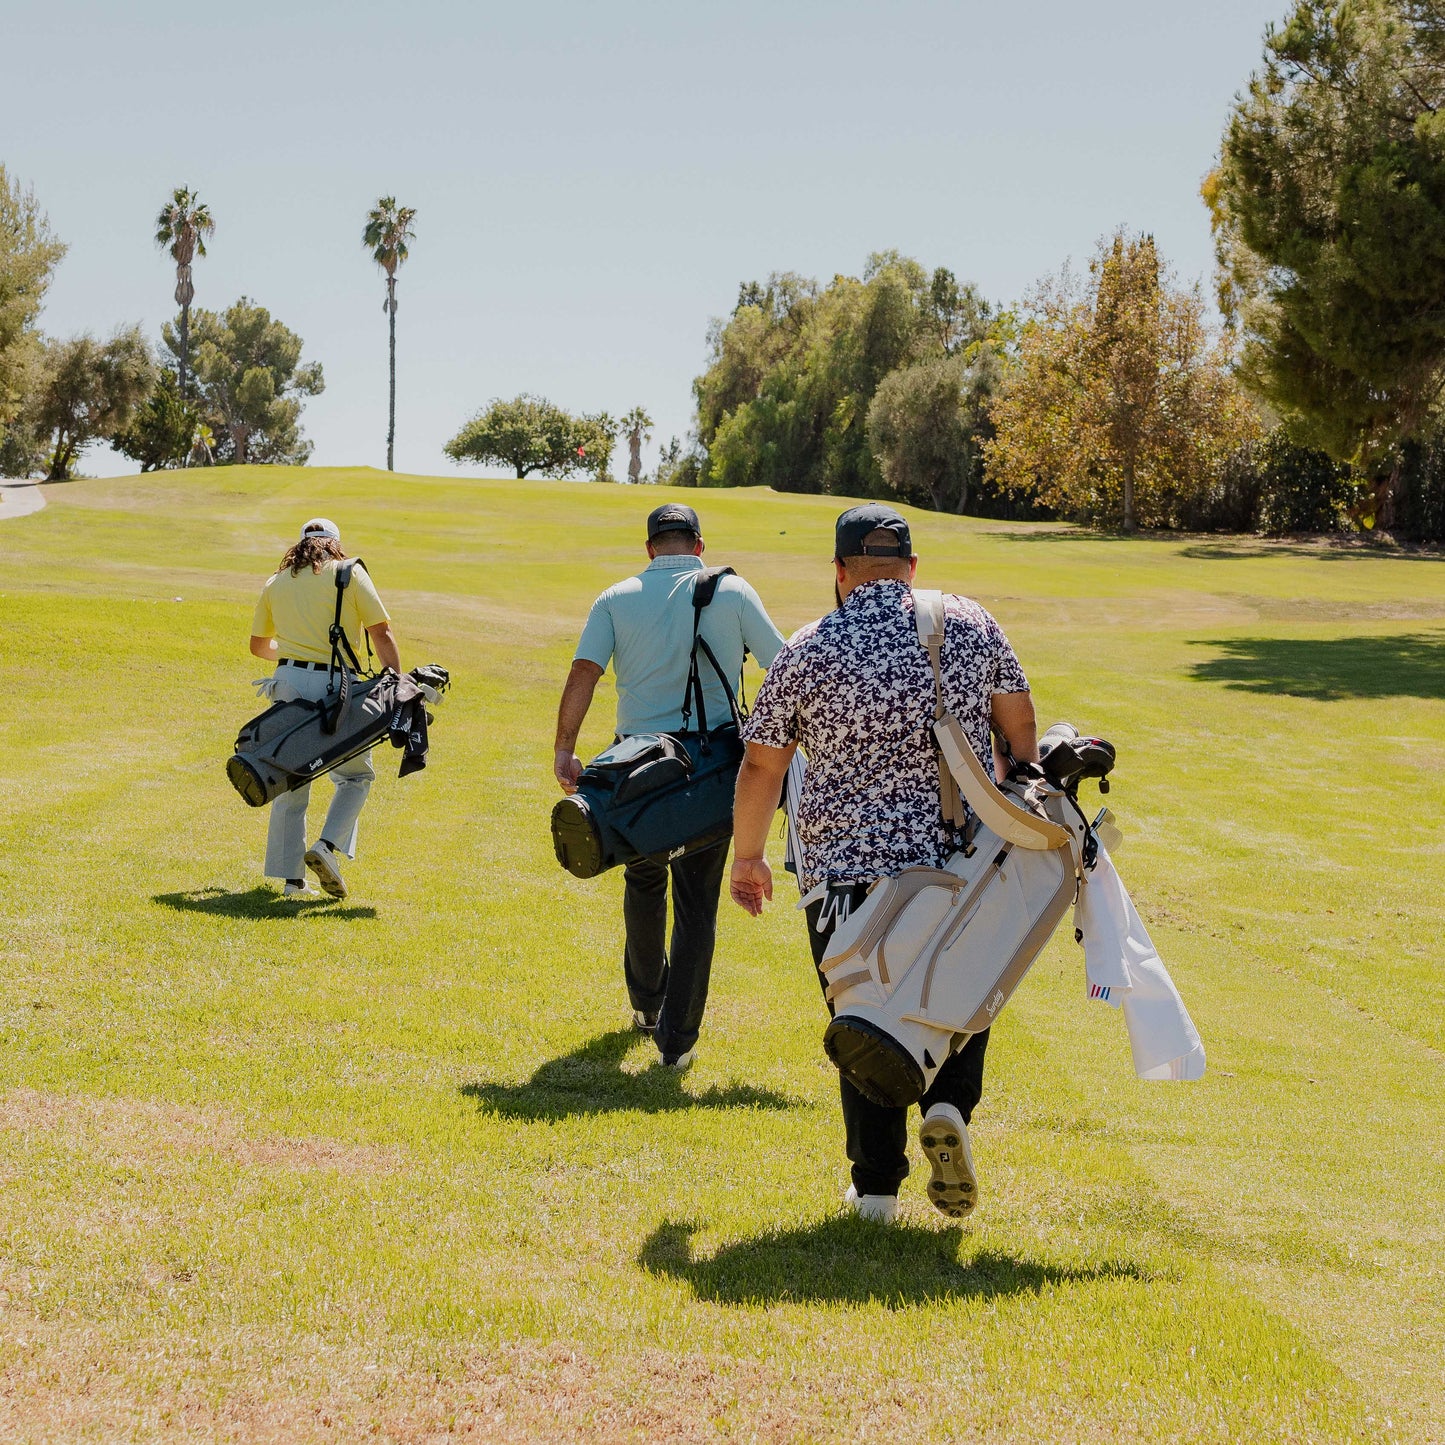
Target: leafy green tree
182, 226
251, 383
89, 391
1122, 398
787, 397
1328, 206
387, 234
28, 255
163, 430
928, 423
636, 426
532, 434
785, 400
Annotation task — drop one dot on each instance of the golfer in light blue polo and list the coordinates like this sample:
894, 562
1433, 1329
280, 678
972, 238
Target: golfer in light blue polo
643, 627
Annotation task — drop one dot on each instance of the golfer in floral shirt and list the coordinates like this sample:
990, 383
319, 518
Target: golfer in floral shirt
855, 690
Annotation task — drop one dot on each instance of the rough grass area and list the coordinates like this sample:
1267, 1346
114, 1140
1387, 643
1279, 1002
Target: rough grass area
396, 1168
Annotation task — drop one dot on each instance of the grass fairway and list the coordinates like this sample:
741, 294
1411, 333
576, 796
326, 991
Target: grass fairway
395, 1168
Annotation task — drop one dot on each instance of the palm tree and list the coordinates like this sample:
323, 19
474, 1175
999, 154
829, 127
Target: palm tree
182, 226
636, 426
388, 229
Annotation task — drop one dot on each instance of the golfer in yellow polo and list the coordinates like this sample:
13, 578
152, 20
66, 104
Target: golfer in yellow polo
292, 628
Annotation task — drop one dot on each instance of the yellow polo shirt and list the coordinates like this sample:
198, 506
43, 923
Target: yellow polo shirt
298, 611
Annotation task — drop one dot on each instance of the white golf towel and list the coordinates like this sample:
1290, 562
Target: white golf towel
1124, 969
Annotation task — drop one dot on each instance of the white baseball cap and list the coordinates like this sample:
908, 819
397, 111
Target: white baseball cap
321, 527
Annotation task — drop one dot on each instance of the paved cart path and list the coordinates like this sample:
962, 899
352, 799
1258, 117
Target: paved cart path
19, 499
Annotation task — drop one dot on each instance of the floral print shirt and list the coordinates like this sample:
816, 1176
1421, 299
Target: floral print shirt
855, 691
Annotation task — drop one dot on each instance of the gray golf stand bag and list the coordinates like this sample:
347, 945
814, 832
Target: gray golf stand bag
929, 957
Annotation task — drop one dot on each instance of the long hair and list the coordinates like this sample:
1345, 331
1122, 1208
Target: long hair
311, 552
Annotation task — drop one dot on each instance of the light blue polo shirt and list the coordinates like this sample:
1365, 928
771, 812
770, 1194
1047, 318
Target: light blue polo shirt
643, 626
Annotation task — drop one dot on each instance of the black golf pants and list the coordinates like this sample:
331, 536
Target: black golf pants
671, 981
877, 1136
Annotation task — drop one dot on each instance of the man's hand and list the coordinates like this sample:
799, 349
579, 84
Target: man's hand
566, 768
751, 884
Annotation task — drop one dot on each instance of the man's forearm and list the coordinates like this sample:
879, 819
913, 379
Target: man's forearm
383, 639
576, 699
754, 804
1013, 715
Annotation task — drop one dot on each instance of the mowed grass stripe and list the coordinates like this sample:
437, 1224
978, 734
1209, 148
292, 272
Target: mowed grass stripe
273, 1145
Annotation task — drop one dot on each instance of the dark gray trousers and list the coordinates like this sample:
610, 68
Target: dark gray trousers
672, 981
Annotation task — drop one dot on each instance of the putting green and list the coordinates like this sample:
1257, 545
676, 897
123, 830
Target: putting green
307, 1172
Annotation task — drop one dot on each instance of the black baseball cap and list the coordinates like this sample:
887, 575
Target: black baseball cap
857, 522
672, 517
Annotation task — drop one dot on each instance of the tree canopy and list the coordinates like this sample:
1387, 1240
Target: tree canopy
1122, 399
785, 400
251, 382
1328, 207
29, 254
88, 391
532, 434
162, 432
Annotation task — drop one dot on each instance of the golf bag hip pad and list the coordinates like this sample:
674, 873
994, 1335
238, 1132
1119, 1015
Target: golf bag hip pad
653, 795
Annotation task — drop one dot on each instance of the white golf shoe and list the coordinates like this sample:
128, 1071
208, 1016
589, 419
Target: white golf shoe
300, 890
944, 1137
880, 1208
321, 860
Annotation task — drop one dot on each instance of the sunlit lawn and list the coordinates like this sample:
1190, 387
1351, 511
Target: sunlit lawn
396, 1167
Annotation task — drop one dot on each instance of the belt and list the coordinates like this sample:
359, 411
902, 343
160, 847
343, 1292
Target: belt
292, 662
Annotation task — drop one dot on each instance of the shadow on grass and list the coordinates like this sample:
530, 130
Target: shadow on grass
1407, 664
1236, 550
590, 1080
1204, 548
259, 903
847, 1260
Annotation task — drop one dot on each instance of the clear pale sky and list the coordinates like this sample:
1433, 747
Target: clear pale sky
593, 180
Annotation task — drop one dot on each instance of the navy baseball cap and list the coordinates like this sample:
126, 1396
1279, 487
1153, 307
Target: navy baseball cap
857, 522
672, 517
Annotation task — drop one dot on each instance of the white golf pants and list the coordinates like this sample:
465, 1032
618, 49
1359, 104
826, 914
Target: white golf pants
286, 833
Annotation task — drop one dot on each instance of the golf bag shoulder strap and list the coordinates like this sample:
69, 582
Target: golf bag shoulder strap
703, 592
341, 648
342, 652
959, 767
930, 619
705, 588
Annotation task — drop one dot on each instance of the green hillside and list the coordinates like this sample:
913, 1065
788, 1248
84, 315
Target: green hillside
396, 1167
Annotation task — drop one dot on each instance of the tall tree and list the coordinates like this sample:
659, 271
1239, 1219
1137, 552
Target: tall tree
251, 383
1328, 206
1122, 397
89, 392
388, 231
636, 426
532, 434
182, 227
28, 255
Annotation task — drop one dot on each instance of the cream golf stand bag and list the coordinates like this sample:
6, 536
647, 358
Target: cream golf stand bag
930, 956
